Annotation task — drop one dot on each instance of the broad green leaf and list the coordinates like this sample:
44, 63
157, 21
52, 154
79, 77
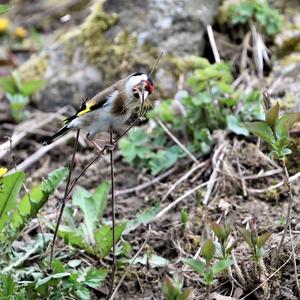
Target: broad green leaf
152, 260
218, 230
185, 294
92, 206
221, 265
8, 85
74, 263
272, 116
30, 87
286, 122
11, 185
196, 265
83, 293
143, 218
48, 278
260, 129
32, 202
103, 238
95, 277
234, 125
246, 235
208, 250
3, 8
261, 241
170, 291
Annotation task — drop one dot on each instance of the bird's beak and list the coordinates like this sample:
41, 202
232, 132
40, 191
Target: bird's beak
143, 96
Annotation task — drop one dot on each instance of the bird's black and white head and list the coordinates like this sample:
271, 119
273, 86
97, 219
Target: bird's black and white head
140, 86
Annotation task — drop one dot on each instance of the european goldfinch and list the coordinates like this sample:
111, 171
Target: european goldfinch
109, 109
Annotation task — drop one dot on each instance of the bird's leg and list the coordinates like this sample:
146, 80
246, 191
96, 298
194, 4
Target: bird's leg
99, 150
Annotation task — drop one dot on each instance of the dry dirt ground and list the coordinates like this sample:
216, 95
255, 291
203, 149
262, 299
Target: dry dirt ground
242, 189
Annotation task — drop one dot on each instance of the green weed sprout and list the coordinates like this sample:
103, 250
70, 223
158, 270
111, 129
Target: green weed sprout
172, 288
18, 93
222, 232
206, 267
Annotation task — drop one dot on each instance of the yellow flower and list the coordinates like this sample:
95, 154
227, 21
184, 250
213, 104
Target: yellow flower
4, 23
2, 172
20, 33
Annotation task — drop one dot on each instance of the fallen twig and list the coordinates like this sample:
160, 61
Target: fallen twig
129, 266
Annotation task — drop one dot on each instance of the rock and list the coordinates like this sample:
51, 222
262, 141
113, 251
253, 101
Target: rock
117, 38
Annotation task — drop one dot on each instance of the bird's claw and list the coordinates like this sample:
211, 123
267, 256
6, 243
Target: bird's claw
110, 147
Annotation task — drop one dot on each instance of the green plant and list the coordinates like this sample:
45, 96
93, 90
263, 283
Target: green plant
184, 217
256, 242
258, 12
211, 104
153, 152
274, 130
3, 8
222, 232
89, 234
207, 268
14, 214
67, 281
172, 288
18, 93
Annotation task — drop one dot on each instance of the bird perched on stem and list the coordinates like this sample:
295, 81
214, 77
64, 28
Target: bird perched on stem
109, 109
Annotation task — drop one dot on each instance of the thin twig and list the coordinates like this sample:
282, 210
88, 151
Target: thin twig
182, 178
40, 153
167, 208
112, 178
63, 203
220, 153
129, 266
213, 43
174, 138
274, 187
288, 225
146, 184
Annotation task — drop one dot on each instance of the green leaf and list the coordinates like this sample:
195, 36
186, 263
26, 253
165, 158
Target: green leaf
208, 250
246, 235
32, 202
262, 239
196, 265
221, 265
83, 293
11, 185
92, 206
272, 116
74, 263
44, 280
286, 122
103, 238
234, 125
8, 85
185, 294
3, 8
262, 130
152, 260
30, 87
218, 230
169, 289
95, 277
143, 218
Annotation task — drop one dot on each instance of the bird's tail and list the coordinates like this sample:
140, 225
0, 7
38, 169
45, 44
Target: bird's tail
56, 135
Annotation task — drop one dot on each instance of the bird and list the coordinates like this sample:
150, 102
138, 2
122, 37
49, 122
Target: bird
109, 109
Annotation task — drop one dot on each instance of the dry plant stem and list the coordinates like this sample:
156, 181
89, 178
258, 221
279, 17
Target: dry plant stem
173, 137
288, 226
112, 178
129, 266
260, 285
65, 195
213, 43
